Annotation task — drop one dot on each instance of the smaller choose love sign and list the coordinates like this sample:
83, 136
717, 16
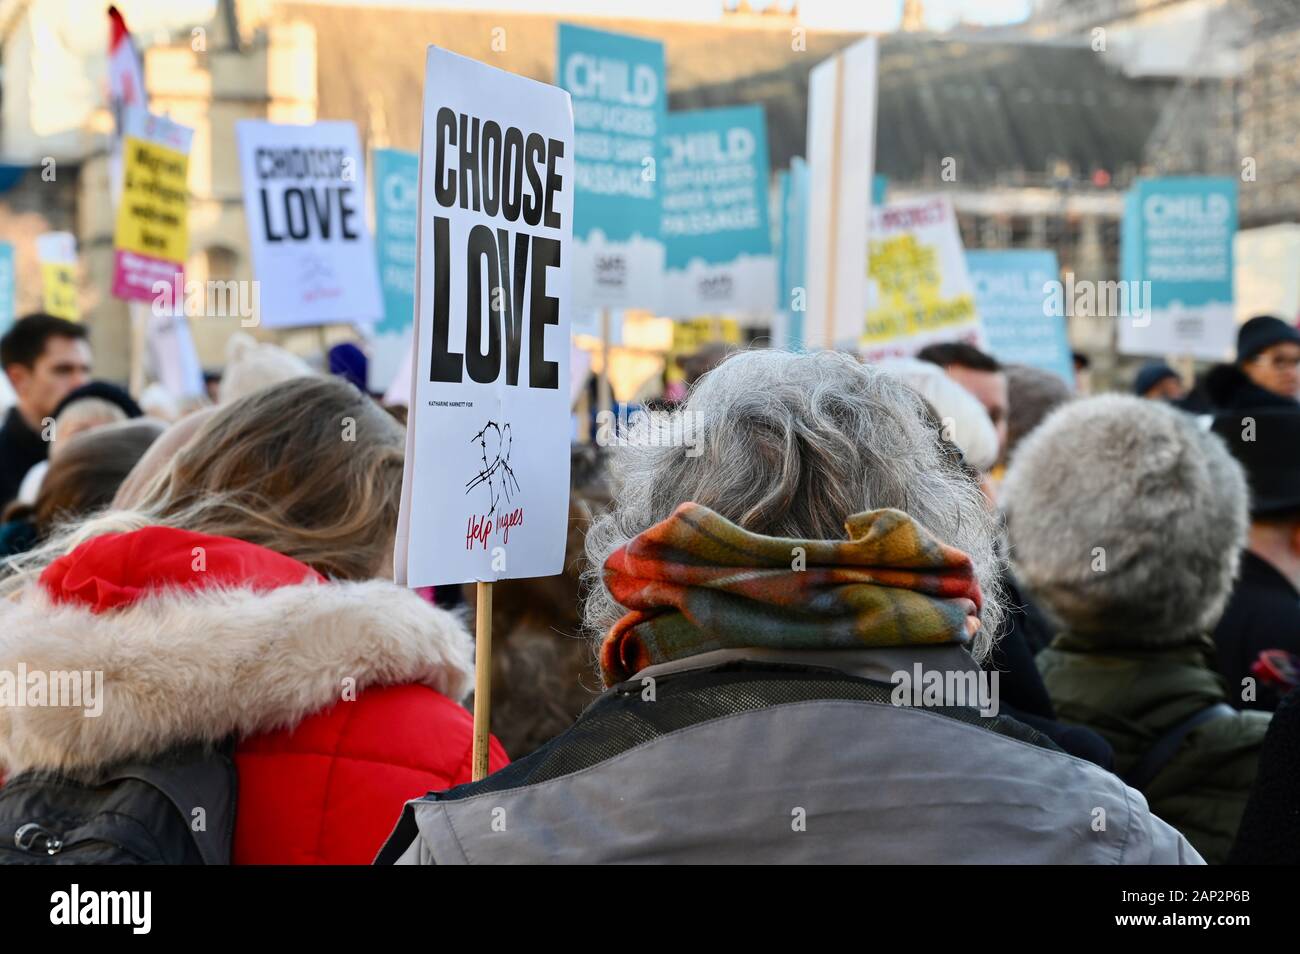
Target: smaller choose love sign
305, 200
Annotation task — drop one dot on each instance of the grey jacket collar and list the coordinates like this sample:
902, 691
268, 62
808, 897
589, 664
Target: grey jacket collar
880, 664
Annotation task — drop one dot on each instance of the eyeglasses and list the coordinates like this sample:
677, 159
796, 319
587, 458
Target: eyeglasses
1280, 362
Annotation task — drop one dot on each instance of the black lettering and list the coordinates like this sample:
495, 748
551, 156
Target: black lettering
347, 213
289, 195
322, 217
444, 364
512, 188
536, 153
491, 167
266, 221
469, 160
444, 184
555, 149
483, 367
513, 310
543, 310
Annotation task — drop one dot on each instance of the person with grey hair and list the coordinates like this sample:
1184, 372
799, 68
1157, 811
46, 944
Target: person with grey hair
788, 622
1126, 520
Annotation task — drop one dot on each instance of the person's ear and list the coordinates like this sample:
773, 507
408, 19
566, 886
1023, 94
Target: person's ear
18, 375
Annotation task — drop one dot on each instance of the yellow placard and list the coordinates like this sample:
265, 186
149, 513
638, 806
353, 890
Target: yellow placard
59, 283
693, 334
152, 216
907, 274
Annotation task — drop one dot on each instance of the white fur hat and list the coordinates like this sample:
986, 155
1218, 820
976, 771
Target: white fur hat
965, 421
252, 365
1126, 520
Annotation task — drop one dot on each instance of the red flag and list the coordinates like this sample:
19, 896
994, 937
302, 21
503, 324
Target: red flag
125, 71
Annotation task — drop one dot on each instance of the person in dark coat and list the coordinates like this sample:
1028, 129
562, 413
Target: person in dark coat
1270, 827
1126, 521
1156, 381
44, 358
761, 610
1264, 609
1266, 372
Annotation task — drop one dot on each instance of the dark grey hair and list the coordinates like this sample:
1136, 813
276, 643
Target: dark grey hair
790, 445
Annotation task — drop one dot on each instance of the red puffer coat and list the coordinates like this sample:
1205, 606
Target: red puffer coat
344, 696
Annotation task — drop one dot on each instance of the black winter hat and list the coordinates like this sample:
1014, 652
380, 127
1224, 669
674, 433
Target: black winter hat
1266, 441
105, 391
1263, 331
1151, 374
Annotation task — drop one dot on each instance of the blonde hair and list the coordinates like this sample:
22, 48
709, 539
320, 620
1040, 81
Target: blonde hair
310, 468
84, 414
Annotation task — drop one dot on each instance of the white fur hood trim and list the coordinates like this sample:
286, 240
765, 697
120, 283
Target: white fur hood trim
190, 665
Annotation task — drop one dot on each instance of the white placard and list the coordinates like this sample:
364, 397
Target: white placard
841, 159
176, 362
1267, 272
305, 202
486, 485
56, 248
919, 291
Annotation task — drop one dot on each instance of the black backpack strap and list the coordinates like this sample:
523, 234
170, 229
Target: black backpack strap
1163, 749
407, 831
196, 777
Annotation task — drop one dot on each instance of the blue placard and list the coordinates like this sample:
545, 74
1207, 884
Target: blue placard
1012, 294
1176, 259
715, 185
879, 186
791, 290
1184, 228
397, 215
717, 239
6, 286
620, 104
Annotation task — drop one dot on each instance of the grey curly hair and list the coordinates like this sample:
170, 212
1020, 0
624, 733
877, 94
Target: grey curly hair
790, 445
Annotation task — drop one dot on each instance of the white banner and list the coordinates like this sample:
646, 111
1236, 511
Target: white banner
841, 158
918, 289
486, 486
305, 201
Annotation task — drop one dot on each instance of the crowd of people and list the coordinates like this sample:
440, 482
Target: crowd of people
939, 609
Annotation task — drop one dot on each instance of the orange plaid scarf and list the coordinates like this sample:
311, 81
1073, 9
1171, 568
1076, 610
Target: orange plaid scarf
696, 582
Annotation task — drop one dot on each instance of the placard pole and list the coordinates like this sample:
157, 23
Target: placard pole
586, 434
482, 678
139, 335
833, 226
604, 399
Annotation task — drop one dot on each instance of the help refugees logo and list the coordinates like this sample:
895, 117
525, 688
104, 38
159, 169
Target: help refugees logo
496, 474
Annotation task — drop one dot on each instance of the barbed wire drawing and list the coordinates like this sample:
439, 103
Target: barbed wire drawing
497, 475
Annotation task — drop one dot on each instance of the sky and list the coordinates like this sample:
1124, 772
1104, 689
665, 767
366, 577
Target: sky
853, 15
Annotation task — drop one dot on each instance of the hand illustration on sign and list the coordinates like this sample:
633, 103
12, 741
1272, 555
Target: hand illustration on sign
497, 473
